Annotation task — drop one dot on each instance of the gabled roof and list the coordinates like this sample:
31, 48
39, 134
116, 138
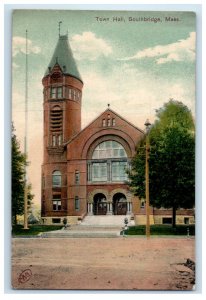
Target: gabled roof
107, 110
64, 58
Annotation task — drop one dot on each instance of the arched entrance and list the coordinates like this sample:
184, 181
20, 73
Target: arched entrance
119, 204
100, 204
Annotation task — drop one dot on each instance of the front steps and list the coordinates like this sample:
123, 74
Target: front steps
92, 226
107, 220
83, 232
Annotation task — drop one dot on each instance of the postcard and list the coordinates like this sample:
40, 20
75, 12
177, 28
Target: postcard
103, 150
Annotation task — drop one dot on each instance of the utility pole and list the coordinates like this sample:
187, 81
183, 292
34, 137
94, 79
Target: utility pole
25, 139
147, 124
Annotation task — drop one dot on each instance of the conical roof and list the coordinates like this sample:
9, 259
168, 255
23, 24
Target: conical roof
64, 57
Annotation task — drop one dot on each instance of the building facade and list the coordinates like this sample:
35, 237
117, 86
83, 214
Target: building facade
84, 172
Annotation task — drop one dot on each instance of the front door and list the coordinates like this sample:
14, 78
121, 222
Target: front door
100, 204
119, 204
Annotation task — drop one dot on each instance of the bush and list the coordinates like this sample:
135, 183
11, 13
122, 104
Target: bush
161, 230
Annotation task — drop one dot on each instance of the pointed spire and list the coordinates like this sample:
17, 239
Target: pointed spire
64, 57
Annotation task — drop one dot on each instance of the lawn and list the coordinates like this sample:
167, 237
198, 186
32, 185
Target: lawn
161, 230
33, 229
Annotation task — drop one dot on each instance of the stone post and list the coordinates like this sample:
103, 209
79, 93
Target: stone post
90, 209
129, 208
109, 208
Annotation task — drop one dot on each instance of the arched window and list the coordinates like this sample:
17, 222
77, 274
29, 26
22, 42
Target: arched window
109, 149
109, 163
56, 179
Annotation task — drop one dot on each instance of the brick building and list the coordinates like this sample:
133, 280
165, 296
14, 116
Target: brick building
84, 171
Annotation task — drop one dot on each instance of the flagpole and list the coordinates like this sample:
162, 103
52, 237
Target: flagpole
25, 138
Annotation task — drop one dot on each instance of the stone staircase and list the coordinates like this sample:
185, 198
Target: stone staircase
91, 226
108, 220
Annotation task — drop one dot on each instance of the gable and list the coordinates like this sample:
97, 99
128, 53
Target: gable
108, 124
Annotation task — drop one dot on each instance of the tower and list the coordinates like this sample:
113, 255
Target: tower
62, 93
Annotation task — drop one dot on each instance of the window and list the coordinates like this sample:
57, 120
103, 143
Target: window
109, 149
53, 92
56, 221
119, 171
56, 116
70, 93
56, 92
76, 204
186, 221
56, 200
167, 220
53, 140
109, 163
113, 122
99, 172
103, 122
56, 179
59, 139
142, 203
59, 92
77, 177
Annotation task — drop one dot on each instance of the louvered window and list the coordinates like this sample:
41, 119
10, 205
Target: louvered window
56, 116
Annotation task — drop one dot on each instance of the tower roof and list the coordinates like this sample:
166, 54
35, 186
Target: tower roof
64, 57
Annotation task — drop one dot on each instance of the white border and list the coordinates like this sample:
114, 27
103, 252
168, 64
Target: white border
4, 133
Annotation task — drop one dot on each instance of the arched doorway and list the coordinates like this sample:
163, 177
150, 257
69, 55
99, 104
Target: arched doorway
100, 204
119, 204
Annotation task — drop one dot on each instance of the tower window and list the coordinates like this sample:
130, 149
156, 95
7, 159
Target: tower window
59, 92
56, 92
56, 116
59, 139
56, 179
53, 92
70, 93
53, 140
76, 204
77, 177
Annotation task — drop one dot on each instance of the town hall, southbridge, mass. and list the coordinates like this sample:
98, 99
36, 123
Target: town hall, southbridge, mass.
84, 171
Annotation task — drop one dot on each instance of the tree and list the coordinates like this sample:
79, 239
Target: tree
18, 173
172, 160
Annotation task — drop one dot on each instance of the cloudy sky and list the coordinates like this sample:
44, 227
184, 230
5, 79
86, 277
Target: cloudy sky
135, 65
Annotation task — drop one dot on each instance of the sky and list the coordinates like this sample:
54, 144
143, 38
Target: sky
135, 61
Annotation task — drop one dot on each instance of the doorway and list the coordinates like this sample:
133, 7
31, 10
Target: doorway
119, 204
100, 204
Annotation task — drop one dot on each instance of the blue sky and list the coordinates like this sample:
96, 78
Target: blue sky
136, 66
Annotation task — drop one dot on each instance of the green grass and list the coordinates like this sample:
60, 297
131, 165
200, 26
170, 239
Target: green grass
161, 230
33, 229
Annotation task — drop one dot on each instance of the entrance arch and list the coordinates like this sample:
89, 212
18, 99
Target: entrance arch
99, 204
119, 204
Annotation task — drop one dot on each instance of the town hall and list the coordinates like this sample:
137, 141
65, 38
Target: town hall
85, 171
